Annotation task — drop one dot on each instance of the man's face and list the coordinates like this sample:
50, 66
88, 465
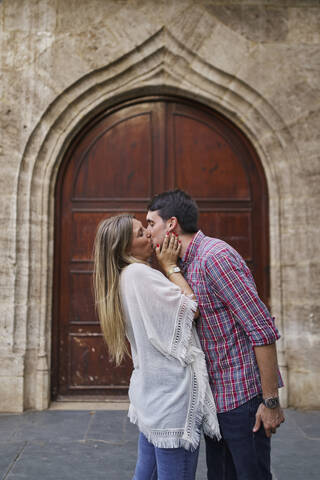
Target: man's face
157, 227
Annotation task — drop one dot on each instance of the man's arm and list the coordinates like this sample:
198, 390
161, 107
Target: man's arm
233, 283
266, 356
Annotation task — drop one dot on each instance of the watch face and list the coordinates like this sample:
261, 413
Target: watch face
271, 402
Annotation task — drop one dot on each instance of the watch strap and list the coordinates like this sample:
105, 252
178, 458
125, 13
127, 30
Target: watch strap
272, 402
172, 270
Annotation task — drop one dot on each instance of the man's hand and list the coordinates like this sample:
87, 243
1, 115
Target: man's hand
271, 418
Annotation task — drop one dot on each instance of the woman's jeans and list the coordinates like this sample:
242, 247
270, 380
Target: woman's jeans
164, 463
241, 454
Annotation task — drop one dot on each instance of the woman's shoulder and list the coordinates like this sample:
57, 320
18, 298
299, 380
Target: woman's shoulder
136, 268
144, 274
141, 276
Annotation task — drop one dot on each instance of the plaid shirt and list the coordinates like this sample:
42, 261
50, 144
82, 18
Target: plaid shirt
233, 319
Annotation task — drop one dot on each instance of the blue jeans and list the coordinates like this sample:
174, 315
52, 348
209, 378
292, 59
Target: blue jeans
241, 454
164, 463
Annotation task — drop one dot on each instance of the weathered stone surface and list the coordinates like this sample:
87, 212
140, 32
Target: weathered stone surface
303, 388
29, 16
12, 393
307, 136
30, 393
303, 338
304, 24
258, 23
306, 275
224, 48
256, 61
12, 383
287, 76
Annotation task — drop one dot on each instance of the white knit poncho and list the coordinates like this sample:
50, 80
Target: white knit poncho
170, 397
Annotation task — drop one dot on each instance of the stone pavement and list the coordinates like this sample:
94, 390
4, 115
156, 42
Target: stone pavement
101, 444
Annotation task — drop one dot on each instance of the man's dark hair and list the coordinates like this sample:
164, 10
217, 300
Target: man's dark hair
177, 203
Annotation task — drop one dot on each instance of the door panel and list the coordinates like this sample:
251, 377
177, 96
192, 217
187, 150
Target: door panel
117, 163
205, 162
233, 227
124, 146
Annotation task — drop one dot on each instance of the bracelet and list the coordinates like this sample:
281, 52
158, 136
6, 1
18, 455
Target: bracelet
172, 270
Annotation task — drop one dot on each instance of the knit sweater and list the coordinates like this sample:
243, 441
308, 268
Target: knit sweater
170, 398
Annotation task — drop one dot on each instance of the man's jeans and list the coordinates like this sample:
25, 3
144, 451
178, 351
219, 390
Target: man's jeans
164, 463
241, 454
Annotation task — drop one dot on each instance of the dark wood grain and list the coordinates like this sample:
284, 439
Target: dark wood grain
116, 164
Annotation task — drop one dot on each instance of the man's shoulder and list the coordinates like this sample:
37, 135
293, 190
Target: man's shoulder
214, 250
211, 246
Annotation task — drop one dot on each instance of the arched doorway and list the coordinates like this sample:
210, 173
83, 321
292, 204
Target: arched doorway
116, 164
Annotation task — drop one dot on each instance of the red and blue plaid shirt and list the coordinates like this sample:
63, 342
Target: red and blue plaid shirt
232, 319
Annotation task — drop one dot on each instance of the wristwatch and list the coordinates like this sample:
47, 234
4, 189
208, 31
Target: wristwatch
272, 402
173, 270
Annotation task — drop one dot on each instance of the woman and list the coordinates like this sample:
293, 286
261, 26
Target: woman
170, 398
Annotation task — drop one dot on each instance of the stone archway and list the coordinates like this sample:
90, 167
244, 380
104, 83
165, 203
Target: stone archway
160, 65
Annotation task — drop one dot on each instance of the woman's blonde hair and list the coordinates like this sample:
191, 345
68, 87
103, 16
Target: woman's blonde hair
113, 239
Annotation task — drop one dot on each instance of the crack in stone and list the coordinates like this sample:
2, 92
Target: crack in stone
14, 461
120, 443
108, 442
92, 415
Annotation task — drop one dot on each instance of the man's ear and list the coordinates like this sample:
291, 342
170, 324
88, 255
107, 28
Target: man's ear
172, 224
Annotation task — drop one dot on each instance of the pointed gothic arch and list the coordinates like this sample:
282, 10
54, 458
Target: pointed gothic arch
161, 65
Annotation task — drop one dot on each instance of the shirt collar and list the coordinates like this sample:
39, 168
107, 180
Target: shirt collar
192, 249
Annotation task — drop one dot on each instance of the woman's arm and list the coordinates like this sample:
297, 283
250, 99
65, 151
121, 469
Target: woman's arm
166, 314
167, 257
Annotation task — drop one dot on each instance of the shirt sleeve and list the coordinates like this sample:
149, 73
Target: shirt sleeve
166, 313
232, 281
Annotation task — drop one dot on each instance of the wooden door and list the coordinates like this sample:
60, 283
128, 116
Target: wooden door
118, 162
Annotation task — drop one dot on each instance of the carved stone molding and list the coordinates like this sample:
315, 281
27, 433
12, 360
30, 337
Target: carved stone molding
161, 64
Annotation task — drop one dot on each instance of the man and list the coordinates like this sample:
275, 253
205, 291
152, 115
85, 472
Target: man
238, 337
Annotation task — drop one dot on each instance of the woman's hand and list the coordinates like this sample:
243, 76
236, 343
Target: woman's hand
168, 255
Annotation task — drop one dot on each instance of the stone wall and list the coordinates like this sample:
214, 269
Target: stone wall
258, 62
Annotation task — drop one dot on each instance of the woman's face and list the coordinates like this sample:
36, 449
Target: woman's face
140, 247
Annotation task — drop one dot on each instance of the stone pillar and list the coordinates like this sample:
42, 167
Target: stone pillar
43, 384
12, 383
